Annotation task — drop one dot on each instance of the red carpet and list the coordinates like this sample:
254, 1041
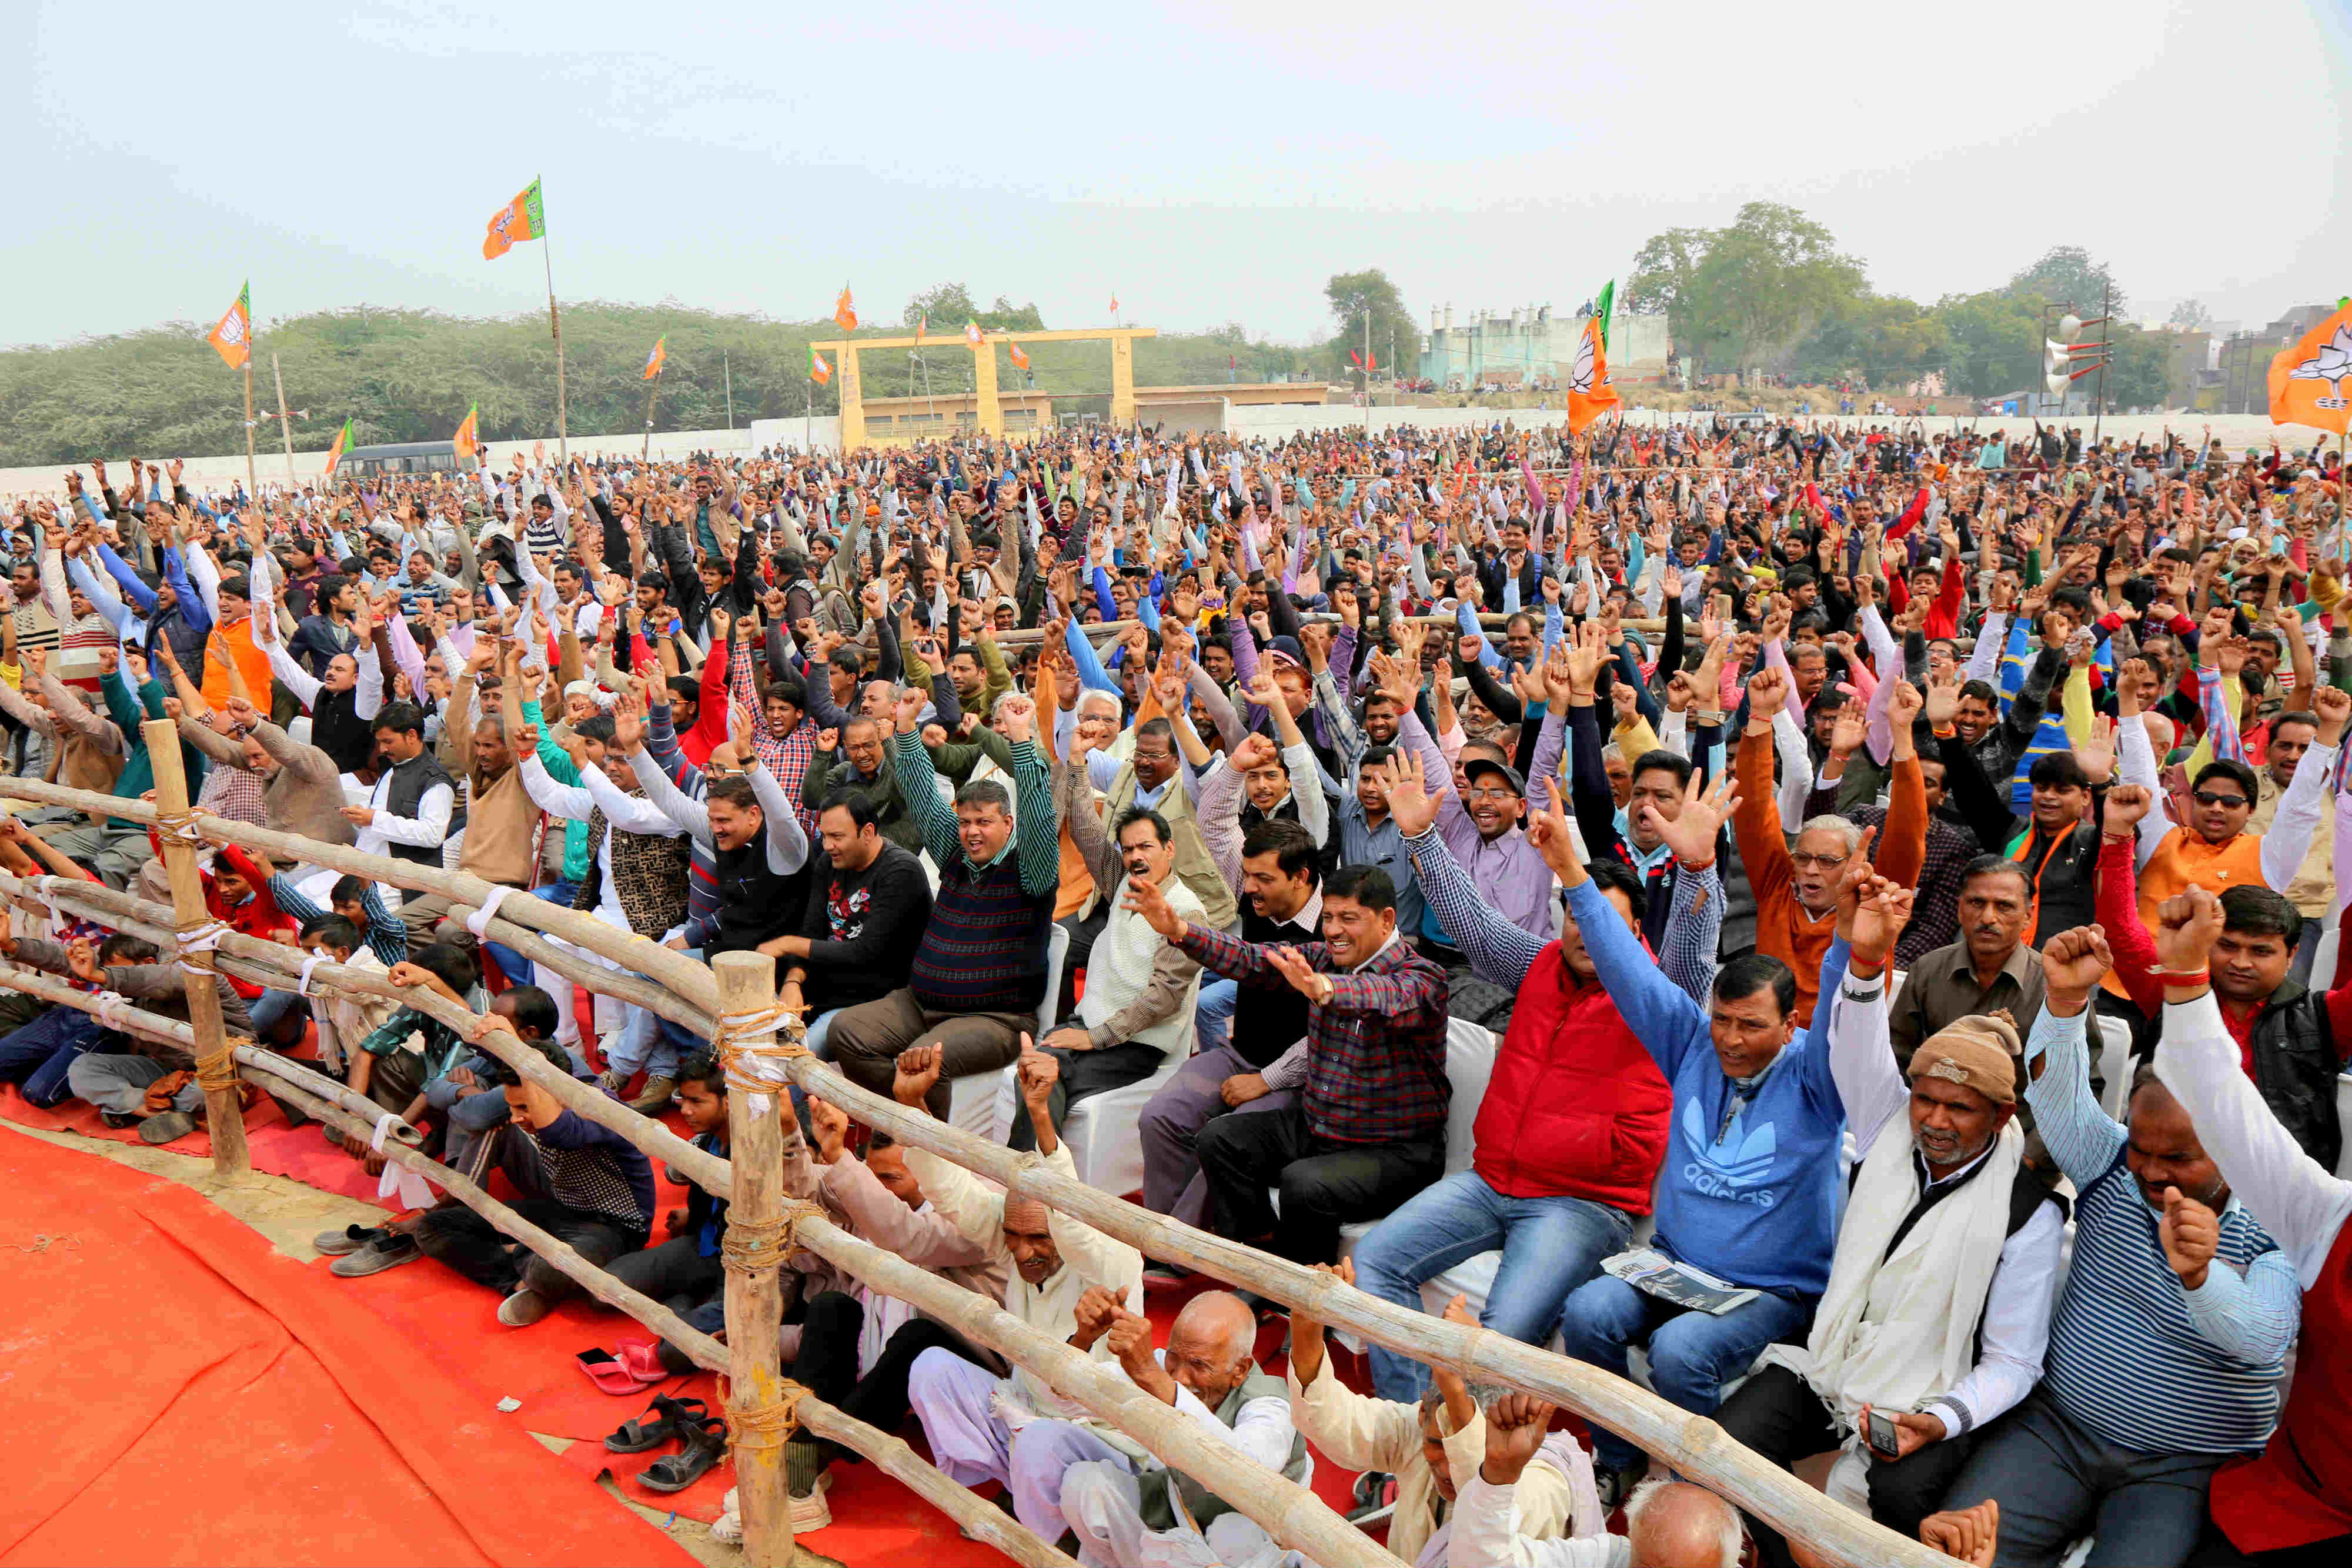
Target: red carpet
182, 1394
272, 1145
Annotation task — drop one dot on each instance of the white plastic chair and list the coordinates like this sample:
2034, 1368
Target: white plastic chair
1103, 1133
983, 1103
1469, 1061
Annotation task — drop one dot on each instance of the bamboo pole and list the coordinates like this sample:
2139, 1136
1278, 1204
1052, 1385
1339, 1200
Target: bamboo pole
224, 1105
890, 1454
755, 1142
1291, 1513
252, 479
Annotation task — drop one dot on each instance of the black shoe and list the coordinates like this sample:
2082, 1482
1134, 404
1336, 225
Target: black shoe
1372, 1495
1616, 1485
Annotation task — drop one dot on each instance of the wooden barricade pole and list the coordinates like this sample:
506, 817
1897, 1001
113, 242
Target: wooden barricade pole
216, 1067
759, 1415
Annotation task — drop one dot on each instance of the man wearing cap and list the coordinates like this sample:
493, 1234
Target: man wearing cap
1937, 1310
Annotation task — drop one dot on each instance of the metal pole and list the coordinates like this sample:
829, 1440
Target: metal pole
726, 369
652, 387
2107, 324
555, 328
284, 428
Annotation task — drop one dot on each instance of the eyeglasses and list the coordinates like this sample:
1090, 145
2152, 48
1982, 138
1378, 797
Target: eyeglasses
2207, 798
1823, 862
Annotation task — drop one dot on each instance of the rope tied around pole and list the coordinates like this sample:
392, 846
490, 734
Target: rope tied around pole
753, 1061
179, 827
198, 936
752, 1426
755, 1245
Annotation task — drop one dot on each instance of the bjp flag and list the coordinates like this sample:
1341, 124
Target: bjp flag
523, 218
1589, 395
922, 327
972, 333
2307, 380
344, 444
844, 314
233, 338
819, 371
653, 360
1019, 358
468, 436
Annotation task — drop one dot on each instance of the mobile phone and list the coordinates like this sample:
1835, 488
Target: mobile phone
1882, 1436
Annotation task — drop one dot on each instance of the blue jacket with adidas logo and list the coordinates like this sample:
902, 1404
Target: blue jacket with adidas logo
1755, 1201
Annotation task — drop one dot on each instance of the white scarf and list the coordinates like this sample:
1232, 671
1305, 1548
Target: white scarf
1894, 1333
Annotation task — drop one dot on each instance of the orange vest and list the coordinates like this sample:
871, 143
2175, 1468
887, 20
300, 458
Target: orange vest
251, 662
2183, 861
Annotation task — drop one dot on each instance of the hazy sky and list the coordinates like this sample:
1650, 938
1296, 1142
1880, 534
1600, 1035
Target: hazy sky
1205, 163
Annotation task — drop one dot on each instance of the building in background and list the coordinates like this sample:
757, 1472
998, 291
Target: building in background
1530, 348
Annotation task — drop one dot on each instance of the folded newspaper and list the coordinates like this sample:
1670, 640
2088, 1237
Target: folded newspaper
1648, 1270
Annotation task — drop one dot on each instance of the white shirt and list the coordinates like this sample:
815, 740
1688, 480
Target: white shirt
1486, 1535
623, 813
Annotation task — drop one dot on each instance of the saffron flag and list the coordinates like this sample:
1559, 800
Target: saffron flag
844, 314
1019, 358
344, 444
1114, 304
972, 333
523, 218
2307, 378
653, 360
468, 434
819, 371
1604, 310
233, 338
922, 327
1589, 395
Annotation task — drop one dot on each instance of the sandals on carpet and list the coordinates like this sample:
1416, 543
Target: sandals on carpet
705, 1445
667, 1417
636, 1367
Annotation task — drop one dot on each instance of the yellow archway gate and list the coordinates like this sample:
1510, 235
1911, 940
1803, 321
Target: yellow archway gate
991, 417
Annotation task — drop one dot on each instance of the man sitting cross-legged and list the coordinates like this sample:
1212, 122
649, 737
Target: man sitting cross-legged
1129, 1511
975, 1420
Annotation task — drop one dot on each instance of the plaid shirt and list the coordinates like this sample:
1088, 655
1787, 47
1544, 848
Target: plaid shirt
1376, 1054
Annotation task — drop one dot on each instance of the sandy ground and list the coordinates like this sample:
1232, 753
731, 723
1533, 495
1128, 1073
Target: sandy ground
289, 1215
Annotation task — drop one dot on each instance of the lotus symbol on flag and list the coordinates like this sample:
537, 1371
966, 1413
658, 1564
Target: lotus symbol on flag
2331, 364
1579, 375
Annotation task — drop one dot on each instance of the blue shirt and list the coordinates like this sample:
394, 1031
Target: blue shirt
1748, 1190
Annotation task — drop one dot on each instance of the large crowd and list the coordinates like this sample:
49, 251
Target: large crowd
1874, 886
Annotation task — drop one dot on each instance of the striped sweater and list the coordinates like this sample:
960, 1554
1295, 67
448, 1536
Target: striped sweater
2129, 1357
984, 949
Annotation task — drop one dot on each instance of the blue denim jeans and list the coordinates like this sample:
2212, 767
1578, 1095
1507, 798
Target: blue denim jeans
1550, 1246
38, 1057
271, 1011
1213, 1016
1692, 1354
518, 969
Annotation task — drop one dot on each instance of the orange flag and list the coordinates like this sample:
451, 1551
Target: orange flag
653, 360
1019, 358
922, 326
2307, 380
1589, 395
819, 371
523, 218
233, 338
844, 314
468, 436
972, 333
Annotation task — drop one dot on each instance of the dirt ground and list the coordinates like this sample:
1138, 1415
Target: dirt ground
289, 1215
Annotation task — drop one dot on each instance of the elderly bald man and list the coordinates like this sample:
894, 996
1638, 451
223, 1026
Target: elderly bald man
1131, 1513
1668, 1524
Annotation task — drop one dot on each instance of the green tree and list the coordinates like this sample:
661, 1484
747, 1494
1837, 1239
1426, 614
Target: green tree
2067, 275
2136, 363
1662, 270
1884, 341
1994, 342
2190, 315
950, 304
1763, 284
1356, 296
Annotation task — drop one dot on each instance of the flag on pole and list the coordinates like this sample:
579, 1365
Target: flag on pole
819, 371
1019, 358
232, 339
468, 434
844, 314
2307, 379
343, 442
1603, 309
653, 360
922, 328
523, 218
972, 333
1114, 304
1589, 395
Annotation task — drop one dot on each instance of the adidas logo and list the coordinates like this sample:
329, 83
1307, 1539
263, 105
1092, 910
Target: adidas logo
1743, 1159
